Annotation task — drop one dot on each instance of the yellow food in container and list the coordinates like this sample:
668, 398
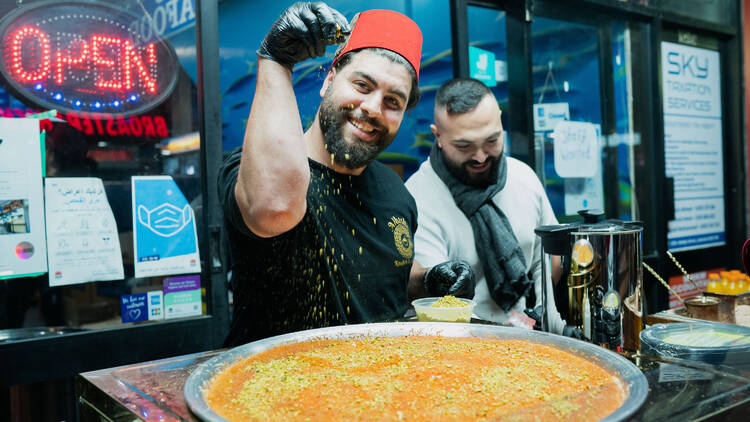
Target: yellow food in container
443, 309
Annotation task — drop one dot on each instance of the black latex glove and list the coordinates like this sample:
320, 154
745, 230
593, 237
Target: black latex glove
450, 278
573, 331
536, 315
568, 331
302, 32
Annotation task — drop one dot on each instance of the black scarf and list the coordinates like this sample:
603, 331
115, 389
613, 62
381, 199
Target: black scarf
498, 249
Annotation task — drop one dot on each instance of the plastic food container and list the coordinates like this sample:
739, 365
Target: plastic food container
427, 313
709, 342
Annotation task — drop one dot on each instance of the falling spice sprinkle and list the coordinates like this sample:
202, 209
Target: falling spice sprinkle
360, 250
335, 267
374, 220
346, 156
418, 378
353, 232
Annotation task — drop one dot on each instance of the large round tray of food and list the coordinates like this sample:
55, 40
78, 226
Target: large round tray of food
416, 371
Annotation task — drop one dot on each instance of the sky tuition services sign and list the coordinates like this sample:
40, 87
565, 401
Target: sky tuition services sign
693, 145
84, 56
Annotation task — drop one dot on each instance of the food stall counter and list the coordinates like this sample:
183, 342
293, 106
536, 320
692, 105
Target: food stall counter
153, 391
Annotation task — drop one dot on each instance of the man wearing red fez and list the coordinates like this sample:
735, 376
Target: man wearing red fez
320, 233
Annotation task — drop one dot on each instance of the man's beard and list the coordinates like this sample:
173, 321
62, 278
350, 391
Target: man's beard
357, 153
479, 180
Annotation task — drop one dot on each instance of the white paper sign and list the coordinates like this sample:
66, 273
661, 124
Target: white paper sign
23, 248
576, 149
82, 233
693, 149
548, 115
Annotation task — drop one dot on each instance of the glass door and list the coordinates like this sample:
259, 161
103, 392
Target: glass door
567, 112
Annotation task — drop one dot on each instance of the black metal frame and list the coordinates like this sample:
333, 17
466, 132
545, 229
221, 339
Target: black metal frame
648, 23
43, 359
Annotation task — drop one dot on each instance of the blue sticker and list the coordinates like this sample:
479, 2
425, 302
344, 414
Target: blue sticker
482, 65
164, 224
133, 308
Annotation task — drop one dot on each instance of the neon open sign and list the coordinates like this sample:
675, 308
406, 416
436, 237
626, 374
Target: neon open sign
84, 56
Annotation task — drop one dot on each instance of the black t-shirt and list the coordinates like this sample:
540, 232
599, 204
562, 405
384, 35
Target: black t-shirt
346, 262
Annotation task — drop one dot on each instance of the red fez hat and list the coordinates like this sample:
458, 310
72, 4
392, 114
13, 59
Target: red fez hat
386, 29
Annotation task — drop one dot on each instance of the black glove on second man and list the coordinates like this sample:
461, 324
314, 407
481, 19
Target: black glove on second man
302, 32
568, 331
450, 278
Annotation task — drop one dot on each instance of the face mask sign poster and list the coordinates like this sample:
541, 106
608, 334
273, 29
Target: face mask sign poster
164, 231
23, 248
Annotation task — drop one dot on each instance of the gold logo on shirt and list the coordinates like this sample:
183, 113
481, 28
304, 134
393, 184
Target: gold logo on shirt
402, 236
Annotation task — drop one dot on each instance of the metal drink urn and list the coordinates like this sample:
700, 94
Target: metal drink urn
602, 293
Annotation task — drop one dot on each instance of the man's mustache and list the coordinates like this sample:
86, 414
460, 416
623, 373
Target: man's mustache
362, 118
477, 163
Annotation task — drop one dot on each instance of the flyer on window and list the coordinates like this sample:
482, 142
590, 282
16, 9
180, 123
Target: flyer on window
82, 238
23, 249
164, 229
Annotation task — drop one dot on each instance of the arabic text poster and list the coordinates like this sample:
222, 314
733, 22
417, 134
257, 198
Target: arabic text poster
82, 238
164, 229
23, 248
693, 145
182, 296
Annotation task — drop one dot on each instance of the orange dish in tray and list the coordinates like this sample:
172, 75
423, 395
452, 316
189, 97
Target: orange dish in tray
415, 378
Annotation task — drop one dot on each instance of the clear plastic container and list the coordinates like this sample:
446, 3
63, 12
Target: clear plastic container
427, 313
709, 342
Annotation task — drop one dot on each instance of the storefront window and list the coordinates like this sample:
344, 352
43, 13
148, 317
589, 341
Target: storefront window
122, 78
488, 60
625, 140
568, 113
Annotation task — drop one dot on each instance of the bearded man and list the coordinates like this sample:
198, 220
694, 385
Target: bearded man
320, 233
478, 205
